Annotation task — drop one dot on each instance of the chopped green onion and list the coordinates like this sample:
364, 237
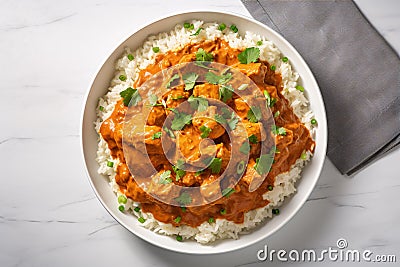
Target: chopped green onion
273, 67
110, 164
156, 49
259, 42
303, 156
313, 121
183, 209
222, 27
275, 211
122, 77
277, 114
285, 59
141, 219
223, 211
130, 57
186, 25
178, 219
270, 187
122, 199
101, 108
156, 135
300, 88
211, 220
234, 28
179, 238
240, 167
121, 208
137, 209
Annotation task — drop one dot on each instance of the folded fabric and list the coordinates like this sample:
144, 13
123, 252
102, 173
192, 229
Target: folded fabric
357, 70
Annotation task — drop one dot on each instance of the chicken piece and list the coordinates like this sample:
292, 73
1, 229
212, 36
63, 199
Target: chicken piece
156, 116
206, 90
224, 154
210, 189
153, 145
241, 107
187, 58
206, 118
189, 179
255, 71
188, 141
175, 96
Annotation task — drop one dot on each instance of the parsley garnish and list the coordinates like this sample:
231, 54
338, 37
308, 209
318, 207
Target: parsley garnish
205, 131
249, 55
156, 135
213, 78
131, 97
197, 32
165, 177
190, 79
199, 103
263, 163
202, 55
245, 148
225, 92
173, 78
184, 199
215, 165
254, 114
180, 120
227, 192
253, 139
278, 130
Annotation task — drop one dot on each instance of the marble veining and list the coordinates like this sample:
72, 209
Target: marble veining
49, 213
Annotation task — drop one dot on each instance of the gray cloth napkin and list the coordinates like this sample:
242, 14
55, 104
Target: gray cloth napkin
357, 71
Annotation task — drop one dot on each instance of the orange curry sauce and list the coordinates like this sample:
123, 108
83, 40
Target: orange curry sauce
290, 146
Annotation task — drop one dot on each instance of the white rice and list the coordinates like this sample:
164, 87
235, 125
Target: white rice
177, 38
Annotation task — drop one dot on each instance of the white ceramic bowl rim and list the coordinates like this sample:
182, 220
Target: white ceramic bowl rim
291, 206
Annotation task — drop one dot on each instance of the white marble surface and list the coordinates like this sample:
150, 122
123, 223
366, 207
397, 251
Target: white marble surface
49, 216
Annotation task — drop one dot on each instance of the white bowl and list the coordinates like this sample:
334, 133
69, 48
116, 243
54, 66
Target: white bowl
100, 183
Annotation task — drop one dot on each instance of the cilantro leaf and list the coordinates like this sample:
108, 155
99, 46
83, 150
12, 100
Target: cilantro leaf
203, 65
202, 55
180, 120
233, 121
278, 130
153, 101
263, 163
249, 55
156, 135
254, 114
190, 79
169, 132
197, 32
173, 78
165, 177
205, 131
218, 118
215, 165
213, 78
184, 199
199, 103
179, 173
253, 139
228, 191
245, 148
225, 92
130, 97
